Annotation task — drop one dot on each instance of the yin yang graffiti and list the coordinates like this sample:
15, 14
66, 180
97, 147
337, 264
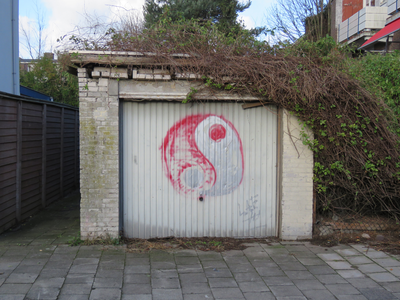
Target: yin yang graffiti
203, 154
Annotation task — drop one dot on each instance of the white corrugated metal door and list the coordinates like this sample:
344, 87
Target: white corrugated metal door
193, 170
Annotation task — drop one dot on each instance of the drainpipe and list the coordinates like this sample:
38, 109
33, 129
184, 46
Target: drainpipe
387, 45
15, 46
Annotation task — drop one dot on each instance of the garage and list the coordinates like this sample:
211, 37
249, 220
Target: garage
199, 169
222, 165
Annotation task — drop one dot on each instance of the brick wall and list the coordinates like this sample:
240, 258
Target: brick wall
296, 182
99, 138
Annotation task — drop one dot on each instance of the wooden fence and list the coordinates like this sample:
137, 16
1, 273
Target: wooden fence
39, 155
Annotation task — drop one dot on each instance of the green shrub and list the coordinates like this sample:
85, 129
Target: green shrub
49, 78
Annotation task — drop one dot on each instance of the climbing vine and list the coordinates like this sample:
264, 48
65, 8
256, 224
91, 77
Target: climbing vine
355, 145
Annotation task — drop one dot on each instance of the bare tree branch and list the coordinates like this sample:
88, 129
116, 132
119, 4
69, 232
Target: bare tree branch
97, 31
292, 19
34, 39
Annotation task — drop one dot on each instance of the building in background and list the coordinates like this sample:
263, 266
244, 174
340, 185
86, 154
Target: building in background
27, 64
372, 25
9, 47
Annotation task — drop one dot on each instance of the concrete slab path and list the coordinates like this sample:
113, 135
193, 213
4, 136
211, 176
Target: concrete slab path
36, 263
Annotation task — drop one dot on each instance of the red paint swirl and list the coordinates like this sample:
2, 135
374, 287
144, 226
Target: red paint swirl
182, 158
217, 132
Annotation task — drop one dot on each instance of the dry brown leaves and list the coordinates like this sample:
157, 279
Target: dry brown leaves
202, 244
351, 127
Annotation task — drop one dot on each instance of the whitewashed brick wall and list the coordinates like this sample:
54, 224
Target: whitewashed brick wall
99, 156
297, 182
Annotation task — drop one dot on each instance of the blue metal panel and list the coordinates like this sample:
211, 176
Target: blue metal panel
9, 47
34, 94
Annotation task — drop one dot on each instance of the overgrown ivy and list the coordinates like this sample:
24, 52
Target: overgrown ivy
355, 145
380, 75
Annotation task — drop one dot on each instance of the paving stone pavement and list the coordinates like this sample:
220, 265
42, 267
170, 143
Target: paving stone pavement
36, 263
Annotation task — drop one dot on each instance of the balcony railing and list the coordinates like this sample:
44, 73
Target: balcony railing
393, 6
370, 17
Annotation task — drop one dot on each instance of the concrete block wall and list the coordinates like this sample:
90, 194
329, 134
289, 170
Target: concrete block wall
99, 152
296, 182
99, 156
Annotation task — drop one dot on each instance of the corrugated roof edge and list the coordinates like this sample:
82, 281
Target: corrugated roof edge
84, 57
124, 53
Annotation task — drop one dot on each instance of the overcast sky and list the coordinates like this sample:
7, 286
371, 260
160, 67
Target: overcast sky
60, 17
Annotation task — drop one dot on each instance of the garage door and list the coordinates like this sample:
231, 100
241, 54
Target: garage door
193, 170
